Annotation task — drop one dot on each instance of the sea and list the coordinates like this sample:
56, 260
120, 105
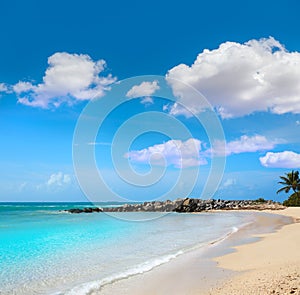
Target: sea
45, 250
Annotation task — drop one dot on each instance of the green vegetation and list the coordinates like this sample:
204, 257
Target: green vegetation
291, 182
260, 200
293, 200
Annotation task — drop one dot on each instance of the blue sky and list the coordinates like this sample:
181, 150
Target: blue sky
57, 56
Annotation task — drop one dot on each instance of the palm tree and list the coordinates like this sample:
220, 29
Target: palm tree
291, 181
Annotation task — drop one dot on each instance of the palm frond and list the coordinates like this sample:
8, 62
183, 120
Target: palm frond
282, 182
286, 179
286, 189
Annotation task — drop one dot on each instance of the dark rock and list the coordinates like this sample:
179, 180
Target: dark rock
84, 210
186, 205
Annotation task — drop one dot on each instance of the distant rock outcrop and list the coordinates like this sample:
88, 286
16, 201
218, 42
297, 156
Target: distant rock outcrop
187, 205
198, 205
154, 206
84, 210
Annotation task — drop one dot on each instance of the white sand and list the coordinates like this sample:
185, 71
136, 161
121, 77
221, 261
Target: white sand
269, 266
247, 271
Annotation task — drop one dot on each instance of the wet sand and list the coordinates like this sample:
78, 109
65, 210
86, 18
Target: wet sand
199, 272
270, 266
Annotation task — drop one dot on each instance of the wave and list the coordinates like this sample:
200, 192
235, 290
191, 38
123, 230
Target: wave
233, 230
89, 287
97, 285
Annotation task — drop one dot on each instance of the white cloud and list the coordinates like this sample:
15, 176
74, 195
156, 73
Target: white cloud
144, 89
21, 87
99, 143
189, 154
180, 154
229, 182
58, 179
286, 159
177, 109
4, 87
23, 186
69, 78
239, 79
244, 144
147, 100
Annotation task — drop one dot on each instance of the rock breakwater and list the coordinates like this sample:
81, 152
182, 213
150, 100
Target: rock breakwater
188, 205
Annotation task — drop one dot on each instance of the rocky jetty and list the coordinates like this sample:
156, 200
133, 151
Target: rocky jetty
84, 210
187, 205
198, 205
154, 206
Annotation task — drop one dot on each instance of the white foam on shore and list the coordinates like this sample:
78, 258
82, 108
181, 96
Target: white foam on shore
94, 286
88, 288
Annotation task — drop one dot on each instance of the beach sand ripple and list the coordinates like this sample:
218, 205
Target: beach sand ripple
269, 266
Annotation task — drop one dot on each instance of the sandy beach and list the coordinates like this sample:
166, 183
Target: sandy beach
269, 266
267, 263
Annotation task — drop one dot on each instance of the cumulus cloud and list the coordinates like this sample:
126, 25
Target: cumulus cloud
177, 109
244, 144
22, 87
147, 100
143, 89
180, 154
286, 159
69, 78
183, 154
4, 87
58, 179
239, 79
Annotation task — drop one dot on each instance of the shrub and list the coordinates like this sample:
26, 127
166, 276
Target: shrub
260, 200
293, 200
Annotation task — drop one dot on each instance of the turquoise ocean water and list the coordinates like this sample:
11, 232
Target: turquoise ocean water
46, 251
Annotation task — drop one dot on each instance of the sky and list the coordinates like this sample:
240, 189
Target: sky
133, 100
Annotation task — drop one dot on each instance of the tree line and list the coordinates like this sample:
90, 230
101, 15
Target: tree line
291, 182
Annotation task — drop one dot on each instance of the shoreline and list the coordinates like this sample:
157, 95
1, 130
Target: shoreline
269, 266
196, 272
